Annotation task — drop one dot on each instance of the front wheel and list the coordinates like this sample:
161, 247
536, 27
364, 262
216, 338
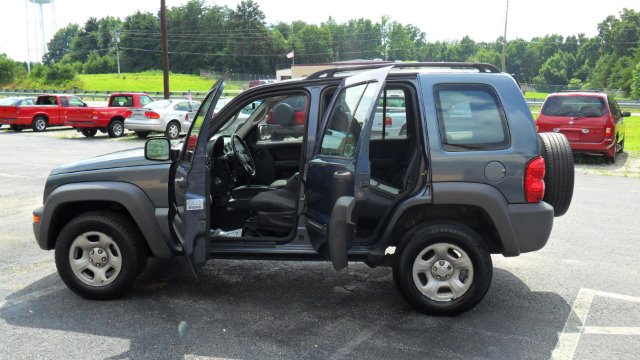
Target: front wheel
89, 132
99, 254
116, 128
442, 269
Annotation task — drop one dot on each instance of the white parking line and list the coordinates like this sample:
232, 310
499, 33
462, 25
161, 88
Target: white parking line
574, 327
31, 296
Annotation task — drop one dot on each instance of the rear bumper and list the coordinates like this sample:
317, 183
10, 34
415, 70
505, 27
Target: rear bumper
532, 224
603, 146
146, 126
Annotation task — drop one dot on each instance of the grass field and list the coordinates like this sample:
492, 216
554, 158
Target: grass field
147, 82
632, 136
535, 95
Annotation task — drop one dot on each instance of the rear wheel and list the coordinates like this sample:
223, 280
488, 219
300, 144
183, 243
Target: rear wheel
98, 255
16, 128
621, 149
173, 130
142, 134
116, 128
39, 124
89, 132
559, 175
442, 269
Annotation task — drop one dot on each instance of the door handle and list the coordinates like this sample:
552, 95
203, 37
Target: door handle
342, 175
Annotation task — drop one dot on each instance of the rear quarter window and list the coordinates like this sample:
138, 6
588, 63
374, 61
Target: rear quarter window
470, 117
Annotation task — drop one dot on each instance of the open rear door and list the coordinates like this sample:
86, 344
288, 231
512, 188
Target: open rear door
190, 190
338, 174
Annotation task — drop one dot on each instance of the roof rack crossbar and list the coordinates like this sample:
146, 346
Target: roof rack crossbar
481, 67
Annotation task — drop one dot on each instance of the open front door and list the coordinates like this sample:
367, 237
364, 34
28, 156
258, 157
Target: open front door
189, 185
338, 174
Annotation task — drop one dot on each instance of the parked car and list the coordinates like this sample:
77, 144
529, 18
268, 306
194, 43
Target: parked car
48, 110
6, 104
254, 83
592, 121
109, 119
170, 116
471, 178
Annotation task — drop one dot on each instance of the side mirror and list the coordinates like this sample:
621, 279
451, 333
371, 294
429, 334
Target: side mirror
157, 149
626, 114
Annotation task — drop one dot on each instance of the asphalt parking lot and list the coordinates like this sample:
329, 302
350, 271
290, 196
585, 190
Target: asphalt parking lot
578, 298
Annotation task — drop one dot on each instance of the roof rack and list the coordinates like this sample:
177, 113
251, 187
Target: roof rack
586, 91
481, 67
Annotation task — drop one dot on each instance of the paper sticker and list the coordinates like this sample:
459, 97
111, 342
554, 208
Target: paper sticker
195, 204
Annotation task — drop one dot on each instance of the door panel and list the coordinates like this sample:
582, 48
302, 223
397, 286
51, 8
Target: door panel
338, 174
190, 211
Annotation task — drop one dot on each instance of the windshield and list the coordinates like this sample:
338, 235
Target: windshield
574, 106
8, 101
160, 104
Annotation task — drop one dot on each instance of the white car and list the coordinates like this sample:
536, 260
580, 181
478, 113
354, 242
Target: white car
171, 116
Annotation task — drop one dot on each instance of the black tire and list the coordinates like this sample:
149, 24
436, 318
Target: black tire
125, 235
559, 177
39, 124
142, 134
116, 128
171, 132
621, 147
89, 132
16, 128
444, 234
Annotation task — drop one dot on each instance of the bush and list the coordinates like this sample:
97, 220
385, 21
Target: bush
58, 74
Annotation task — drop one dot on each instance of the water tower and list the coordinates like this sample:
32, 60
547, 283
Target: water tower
42, 15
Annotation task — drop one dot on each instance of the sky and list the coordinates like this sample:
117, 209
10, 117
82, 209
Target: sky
482, 20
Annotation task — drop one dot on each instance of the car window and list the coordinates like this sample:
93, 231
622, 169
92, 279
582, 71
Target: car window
470, 118
615, 109
47, 100
160, 104
196, 125
144, 100
64, 101
28, 101
121, 101
182, 106
9, 101
285, 118
390, 120
73, 101
574, 106
347, 118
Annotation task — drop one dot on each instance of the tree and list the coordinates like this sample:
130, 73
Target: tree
7, 70
60, 44
140, 42
554, 70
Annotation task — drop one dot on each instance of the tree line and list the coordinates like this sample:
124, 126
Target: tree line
202, 36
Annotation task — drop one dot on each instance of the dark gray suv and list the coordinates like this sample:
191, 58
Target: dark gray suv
469, 177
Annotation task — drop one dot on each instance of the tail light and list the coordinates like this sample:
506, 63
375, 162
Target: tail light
152, 115
388, 121
608, 131
128, 114
534, 180
299, 117
94, 115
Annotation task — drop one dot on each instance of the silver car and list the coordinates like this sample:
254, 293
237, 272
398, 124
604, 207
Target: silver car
171, 116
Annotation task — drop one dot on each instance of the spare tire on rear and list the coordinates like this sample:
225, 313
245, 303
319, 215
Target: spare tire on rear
559, 176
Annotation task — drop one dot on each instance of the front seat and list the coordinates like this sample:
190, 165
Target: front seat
274, 210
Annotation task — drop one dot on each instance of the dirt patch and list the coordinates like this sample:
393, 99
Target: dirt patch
627, 165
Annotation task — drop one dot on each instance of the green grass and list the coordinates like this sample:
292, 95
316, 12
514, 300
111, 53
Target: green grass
632, 135
535, 95
147, 82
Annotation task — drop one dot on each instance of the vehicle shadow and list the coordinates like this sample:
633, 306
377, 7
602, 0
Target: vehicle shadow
269, 309
586, 159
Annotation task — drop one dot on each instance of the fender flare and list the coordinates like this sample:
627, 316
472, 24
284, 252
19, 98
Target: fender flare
143, 213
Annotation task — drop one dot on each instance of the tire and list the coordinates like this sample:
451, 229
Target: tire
621, 147
173, 129
39, 124
142, 134
559, 176
16, 128
100, 240
439, 247
89, 132
116, 128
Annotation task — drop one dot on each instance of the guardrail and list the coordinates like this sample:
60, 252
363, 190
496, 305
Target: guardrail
198, 95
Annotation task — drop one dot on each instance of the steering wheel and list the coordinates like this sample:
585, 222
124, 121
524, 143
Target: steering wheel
242, 155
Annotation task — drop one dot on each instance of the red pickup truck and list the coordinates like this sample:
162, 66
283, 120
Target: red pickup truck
108, 119
57, 110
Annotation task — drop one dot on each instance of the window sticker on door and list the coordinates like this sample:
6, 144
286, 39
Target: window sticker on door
195, 204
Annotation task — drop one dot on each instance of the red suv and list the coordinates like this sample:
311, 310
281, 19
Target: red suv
592, 121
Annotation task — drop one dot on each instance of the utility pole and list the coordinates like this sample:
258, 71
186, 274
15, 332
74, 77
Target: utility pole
165, 48
116, 38
504, 40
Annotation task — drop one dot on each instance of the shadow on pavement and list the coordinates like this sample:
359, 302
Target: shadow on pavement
262, 309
